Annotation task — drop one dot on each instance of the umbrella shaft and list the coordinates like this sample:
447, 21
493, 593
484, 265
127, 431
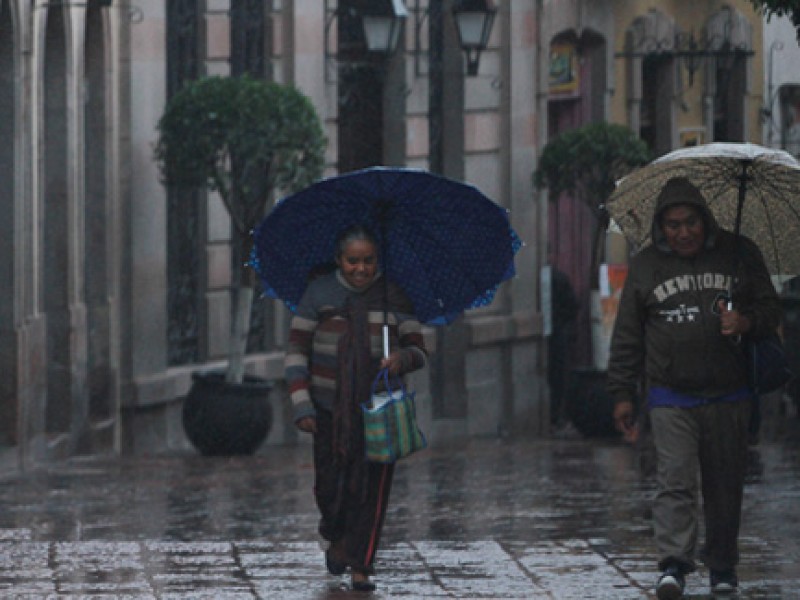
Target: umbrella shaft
385, 341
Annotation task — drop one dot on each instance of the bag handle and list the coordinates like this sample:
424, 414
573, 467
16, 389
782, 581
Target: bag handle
383, 375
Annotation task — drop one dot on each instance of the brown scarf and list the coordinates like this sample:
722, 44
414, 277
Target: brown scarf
354, 380
356, 367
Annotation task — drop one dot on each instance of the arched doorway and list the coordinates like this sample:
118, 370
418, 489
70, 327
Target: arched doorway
650, 54
577, 85
727, 78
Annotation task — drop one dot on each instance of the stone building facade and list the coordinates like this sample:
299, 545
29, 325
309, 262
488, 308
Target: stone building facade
115, 289
61, 126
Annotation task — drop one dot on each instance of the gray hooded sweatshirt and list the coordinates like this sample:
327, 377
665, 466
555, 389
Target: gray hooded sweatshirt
667, 332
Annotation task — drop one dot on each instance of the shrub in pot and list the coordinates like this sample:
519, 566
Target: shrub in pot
244, 139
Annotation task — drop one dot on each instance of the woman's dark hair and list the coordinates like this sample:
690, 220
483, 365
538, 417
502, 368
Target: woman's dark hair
352, 234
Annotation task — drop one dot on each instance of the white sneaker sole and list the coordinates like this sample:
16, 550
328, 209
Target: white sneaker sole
724, 588
668, 588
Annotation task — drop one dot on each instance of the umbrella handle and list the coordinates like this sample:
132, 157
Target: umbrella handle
738, 337
385, 341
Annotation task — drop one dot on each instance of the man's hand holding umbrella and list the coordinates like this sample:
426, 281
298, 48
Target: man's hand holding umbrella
731, 321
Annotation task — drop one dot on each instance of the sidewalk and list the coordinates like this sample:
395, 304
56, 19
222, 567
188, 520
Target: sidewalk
493, 518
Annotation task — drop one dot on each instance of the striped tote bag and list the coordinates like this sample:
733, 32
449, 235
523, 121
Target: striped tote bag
390, 424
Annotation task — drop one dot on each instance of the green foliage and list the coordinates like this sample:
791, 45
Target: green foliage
587, 162
243, 138
780, 8
777, 7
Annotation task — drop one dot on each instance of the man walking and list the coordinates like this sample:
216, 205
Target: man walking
678, 343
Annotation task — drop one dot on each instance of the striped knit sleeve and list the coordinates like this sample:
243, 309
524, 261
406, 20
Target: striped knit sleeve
411, 342
298, 355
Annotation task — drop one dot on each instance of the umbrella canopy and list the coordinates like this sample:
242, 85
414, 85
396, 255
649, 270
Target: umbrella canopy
444, 242
758, 186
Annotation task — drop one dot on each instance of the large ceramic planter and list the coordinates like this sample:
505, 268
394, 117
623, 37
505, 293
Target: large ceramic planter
225, 419
589, 406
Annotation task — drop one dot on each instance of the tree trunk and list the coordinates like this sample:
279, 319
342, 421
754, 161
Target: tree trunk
244, 284
239, 331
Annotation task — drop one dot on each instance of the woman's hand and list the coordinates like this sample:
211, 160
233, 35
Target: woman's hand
307, 424
394, 363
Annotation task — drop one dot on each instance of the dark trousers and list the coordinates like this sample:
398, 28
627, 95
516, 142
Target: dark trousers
557, 373
710, 442
352, 496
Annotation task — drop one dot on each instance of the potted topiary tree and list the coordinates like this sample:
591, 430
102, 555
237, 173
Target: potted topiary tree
244, 139
586, 163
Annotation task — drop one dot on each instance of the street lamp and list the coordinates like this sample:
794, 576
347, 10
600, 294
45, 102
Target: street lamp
474, 19
383, 21
374, 28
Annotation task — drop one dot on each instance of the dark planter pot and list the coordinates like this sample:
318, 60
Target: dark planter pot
224, 419
590, 407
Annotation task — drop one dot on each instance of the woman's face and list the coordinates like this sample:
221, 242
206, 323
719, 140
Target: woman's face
358, 263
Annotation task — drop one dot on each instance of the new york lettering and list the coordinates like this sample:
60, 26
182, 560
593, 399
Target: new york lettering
690, 283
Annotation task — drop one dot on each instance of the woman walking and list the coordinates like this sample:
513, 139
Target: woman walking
335, 350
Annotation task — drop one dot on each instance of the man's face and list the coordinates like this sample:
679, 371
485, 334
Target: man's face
684, 229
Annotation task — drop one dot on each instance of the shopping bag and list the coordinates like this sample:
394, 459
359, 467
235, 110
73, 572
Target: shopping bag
390, 425
769, 366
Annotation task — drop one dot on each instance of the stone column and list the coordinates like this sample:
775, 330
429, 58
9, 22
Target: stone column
520, 110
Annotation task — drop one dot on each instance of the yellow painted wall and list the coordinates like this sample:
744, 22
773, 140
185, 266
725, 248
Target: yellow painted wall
689, 15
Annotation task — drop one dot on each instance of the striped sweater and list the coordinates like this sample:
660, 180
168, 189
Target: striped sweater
311, 364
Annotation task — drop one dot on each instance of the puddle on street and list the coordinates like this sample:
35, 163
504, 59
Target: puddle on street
524, 519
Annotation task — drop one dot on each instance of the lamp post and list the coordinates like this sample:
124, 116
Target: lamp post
474, 20
361, 37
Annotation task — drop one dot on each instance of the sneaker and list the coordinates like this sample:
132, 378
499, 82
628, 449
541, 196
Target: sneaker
670, 585
724, 582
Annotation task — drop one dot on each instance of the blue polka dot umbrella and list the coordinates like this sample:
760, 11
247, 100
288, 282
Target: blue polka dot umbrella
443, 241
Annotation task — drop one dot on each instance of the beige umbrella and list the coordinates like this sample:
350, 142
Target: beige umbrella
749, 189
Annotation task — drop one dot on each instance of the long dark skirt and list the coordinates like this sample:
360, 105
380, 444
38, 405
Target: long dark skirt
352, 496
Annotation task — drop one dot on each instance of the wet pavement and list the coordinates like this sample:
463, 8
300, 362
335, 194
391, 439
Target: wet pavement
492, 518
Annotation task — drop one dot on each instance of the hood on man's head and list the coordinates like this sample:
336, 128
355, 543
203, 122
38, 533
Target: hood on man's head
681, 191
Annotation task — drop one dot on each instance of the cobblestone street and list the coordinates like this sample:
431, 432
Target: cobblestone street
490, 519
